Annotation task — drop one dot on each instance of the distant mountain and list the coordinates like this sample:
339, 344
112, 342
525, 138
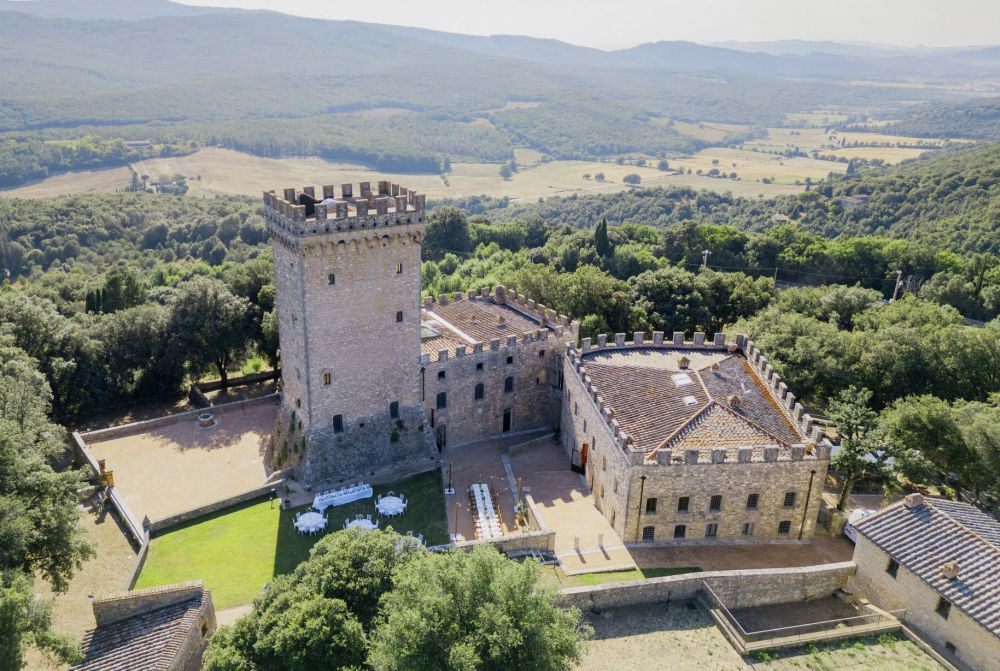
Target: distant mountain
852, 49
95, 10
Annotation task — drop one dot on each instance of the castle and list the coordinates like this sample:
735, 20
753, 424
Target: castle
679, 440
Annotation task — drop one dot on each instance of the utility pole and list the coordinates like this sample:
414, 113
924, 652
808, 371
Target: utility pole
704, 258
899, 285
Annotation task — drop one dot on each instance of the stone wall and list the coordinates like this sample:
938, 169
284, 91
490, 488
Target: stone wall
166, 523
737, 589
976, 648
123, 605
614, 473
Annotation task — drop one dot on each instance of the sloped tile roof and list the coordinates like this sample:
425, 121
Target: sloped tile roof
482, 319
149, 641
928, 535
639, 385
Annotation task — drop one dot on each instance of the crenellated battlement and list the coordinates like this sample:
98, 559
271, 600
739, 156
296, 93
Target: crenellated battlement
303, 213
813, 445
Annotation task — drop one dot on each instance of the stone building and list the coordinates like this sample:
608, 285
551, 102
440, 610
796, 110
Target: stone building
161, 628
939, 560
691, 442
680, 441
373, 380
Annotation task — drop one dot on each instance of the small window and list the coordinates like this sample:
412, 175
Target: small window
651, 505
442, 400
326, 378
399, 317
479, 366
508, 385
441, 374
943, 607
480, 392
682, 504
950, 647
753, 501
784, 527
680, 531
747, 529
893, 567
338, 423
510, 360
576, 408
541, 354
399, 268
715, 503
298, 403
585, 426
689, 400
789, 499
711, 530
394, 410
681, 379
331, 279
648, 534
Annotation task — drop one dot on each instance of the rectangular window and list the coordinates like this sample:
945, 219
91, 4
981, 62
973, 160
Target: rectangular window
399, 317
648, 534
331, 279
747, 529
753, 501
510, 360
893, 567
326, 378
479, 392
338, 423
680, 531
399, 268
715, 503
650, 505
508, 385
442, 400
576, 408
682, 504
789, 499
541, 354
479, 366
943, 607
585, 426
711, 530
394, 410
784, 526
441, 374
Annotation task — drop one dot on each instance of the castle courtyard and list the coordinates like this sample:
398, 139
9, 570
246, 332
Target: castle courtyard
191, 466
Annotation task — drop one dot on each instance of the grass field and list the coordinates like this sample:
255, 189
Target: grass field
237, 551
751, 166
887, 652
108, 180
814, 118
552, 575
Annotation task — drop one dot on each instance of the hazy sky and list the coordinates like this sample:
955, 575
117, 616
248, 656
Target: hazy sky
616, 23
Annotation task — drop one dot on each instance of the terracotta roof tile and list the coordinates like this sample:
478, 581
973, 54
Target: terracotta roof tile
469, 320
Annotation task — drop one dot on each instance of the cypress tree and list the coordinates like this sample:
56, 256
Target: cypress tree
601, 242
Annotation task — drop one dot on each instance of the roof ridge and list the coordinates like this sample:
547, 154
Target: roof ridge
755, 425
687, 424
975, 534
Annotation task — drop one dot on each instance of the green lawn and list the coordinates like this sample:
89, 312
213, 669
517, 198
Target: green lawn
238, 550
552, 575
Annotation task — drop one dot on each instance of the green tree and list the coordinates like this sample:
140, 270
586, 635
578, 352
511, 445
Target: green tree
601, 242
211, 324
505, 171
632, 179
474, 611
862, 453
26, 621
663, 165
447, 231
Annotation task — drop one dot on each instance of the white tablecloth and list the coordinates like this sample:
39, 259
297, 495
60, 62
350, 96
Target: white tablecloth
339, 497
309, 522
390, 505
487, 525
361, 524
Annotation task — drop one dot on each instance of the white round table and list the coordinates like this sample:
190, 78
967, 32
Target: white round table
361, 524
390, 506
310, 522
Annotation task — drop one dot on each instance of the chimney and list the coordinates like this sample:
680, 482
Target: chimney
733, 400
950, 570
913, 500
683, 363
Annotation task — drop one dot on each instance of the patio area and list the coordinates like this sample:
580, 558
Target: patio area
191, 466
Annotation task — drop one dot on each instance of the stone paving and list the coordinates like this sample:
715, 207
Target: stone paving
180, 466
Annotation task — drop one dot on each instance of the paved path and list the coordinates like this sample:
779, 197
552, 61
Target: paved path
230, 615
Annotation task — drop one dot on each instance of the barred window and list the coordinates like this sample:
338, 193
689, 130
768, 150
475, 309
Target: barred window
648, 534
753, 501
715, 504
784, 527
789, 499
711, 530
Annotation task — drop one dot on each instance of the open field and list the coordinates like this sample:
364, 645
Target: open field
709, 131
107, 180
754, 165
814, 118
223, 172
810, 139
237, 551
890, 155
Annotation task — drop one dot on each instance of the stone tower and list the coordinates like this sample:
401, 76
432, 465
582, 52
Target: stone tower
347, 279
